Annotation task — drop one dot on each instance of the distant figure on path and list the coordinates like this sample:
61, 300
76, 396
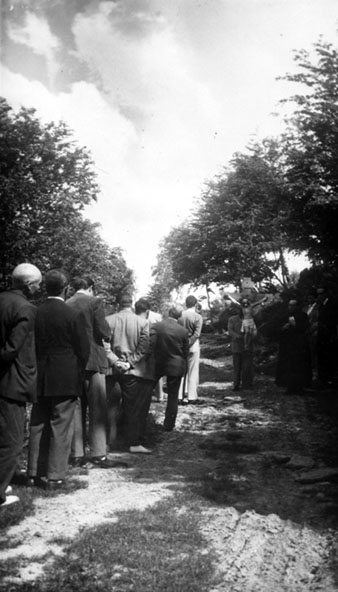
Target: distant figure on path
192, 321
294, 361
242, 352
170, 346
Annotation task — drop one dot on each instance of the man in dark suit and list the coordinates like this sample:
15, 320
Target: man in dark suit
94, 397
170, 347
242, 356
17, 369
62, 349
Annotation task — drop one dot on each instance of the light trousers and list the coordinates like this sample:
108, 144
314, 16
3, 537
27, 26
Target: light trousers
190, 382
95, 400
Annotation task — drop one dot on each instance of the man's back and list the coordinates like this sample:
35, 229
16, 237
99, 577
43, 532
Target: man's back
192, 321
62, 349
17, 346
170, 344
96, 326
129, 335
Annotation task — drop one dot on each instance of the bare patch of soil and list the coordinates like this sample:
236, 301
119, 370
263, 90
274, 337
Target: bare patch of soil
245, 457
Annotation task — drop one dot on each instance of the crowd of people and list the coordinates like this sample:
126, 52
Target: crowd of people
307, 348
90, 376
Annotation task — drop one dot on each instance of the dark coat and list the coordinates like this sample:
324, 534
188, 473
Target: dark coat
17, 347
294, 361
62, 349
170, 347
96, 326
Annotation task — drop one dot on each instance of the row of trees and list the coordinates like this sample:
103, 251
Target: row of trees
280, 195
46, 181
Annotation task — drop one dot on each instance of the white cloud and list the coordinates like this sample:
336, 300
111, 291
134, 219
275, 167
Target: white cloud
37, 36
174, 90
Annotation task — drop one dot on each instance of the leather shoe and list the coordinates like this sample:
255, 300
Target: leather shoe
35, 482
102, 462
53, 484
77, 461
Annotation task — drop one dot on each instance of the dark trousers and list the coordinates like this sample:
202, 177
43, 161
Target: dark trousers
50, 434
12, 427
243, 369
173, 387
135, 399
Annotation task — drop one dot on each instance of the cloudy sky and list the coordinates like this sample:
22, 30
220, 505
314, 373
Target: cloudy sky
162, 92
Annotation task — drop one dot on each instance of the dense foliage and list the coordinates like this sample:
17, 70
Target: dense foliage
281, 194
46, 180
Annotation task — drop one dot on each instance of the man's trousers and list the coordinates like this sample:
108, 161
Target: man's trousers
173, 386
50, 434
12, 428
191, 380
243, 369
95, 399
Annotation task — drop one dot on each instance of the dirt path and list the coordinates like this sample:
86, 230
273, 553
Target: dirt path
247, 459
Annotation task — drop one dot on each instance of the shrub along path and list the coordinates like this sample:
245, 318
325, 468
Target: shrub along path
241, 497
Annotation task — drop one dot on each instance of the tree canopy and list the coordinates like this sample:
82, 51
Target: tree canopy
46, 180
281, 194
236, 228
311, 154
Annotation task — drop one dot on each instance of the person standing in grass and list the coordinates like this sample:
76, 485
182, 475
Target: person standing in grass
17, 370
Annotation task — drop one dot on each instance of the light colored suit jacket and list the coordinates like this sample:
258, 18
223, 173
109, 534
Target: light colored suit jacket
129, 339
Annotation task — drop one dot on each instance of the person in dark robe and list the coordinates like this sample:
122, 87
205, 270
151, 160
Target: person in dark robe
294, 360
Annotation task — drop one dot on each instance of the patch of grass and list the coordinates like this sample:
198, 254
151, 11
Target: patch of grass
212, 374
158, 549
14, 514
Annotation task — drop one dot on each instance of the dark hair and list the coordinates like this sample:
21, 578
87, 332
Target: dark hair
55, 281
125, 300
190, 301
141, 306
145, 302
82, 283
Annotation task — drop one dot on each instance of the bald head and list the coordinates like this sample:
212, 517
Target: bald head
26, 277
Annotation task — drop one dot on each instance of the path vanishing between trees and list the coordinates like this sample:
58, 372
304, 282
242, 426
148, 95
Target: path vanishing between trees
261, 467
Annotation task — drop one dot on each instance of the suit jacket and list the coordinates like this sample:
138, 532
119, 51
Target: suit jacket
170, 347
17, 347
193, 322
62, 348
96, 326
130, 340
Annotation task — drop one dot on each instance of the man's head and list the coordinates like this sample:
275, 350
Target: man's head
190, 301
84, 283
292, 306
175, 310
56, 282
322, 293
26, 277
141, 306
125, 301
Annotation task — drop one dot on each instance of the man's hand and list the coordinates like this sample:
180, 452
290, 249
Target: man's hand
121, 366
